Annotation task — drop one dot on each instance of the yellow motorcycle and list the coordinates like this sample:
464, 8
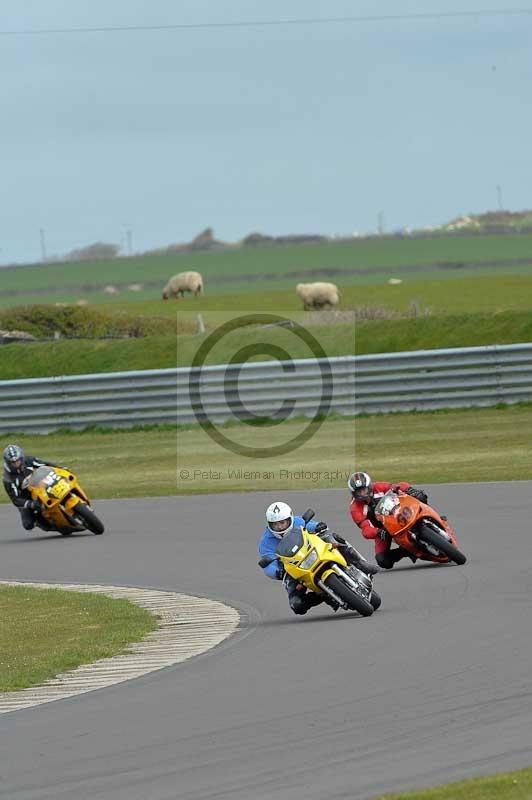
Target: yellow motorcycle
320, 567
62, 503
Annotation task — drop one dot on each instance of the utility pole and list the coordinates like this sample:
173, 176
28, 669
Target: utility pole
380, 223
499, 197
129, 235
43, 245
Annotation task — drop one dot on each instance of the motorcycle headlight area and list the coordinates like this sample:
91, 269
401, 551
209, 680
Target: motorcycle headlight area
309, 560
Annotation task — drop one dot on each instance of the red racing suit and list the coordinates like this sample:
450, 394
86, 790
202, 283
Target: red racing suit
363, 513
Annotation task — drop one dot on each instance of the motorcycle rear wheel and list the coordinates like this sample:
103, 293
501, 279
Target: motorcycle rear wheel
430, 536
93, 524
347, 595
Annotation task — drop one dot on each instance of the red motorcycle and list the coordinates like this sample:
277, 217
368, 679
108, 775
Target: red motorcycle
416, 527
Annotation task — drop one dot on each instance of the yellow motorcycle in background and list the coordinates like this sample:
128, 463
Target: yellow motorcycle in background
321, 568
62, 502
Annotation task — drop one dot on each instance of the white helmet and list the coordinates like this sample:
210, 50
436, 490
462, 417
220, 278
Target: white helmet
280, 519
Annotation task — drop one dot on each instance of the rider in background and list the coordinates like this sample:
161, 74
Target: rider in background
280, 520
365, 494
17, 466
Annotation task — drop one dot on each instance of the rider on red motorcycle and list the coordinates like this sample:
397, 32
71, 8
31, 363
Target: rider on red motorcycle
365, 495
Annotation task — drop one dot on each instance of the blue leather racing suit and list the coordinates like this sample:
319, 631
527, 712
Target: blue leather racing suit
300, 600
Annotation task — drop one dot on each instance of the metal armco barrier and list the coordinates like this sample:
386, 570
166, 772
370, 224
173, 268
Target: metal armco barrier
451, 378
422, 379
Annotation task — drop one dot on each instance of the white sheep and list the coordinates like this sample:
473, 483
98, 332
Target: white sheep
183, 282
318, 295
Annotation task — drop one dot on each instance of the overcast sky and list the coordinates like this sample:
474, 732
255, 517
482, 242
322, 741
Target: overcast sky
280, 129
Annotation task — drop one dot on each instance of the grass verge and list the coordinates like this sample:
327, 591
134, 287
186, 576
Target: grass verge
47, 631
507, 786
424, 447
47, 359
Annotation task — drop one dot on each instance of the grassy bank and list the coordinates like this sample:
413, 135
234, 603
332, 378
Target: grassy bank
70, 357
457, 330
471, 445
47, 631
507, 786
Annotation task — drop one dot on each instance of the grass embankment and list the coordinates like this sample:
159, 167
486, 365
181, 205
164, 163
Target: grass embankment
46, 359
471, 445
69, 281
69, 357
47, 631
507, 786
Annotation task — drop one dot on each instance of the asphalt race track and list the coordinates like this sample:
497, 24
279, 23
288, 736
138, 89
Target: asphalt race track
436, 686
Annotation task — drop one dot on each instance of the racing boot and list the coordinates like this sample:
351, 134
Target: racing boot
352, 556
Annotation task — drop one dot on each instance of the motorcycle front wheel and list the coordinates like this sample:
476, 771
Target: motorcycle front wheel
90, 520
347, 595
430, 536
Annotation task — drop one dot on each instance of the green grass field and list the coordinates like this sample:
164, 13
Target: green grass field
66, 282
443, 294
166, 461
507, 786
47, 631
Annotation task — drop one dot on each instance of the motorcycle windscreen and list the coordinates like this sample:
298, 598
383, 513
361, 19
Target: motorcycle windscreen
290, 543
388, 504
38, 476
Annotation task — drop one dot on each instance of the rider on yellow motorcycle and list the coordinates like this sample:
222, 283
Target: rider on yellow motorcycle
280, 520
18, 466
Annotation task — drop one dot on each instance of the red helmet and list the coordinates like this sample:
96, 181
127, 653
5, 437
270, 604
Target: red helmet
361, 486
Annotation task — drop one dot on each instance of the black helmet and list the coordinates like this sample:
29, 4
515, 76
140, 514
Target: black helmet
14, 458
361, 486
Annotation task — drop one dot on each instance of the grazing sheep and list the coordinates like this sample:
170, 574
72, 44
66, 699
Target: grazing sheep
82, 302
394, 281
183, 282
111, 290
135, 287
318, 295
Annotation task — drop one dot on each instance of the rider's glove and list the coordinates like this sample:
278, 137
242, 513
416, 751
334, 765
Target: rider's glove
382, 535
321, 527
340, 539
419, 494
